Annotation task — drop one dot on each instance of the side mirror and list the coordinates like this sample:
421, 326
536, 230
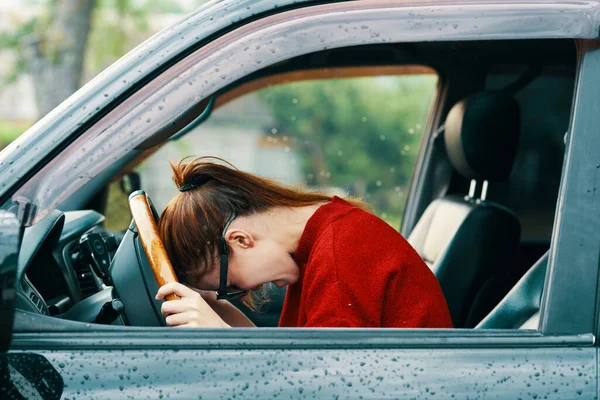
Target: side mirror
130, 183
29, 376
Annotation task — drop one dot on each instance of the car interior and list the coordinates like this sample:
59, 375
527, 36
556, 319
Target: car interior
483, 196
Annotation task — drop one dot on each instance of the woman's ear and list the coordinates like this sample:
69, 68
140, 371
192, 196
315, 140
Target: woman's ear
239, 238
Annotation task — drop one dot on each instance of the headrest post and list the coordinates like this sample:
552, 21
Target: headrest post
472, 189
484, 189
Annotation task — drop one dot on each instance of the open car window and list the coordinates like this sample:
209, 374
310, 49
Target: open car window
171, 100
357, 135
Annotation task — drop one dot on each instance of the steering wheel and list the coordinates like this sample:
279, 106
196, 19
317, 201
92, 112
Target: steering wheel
140, 266
143, 217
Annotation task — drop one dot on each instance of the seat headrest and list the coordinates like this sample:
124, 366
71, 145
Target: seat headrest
481, 135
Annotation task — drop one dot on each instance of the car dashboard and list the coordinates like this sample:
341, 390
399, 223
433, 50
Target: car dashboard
55, 270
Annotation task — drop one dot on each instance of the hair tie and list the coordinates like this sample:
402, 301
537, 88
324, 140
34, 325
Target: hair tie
198, 181
187, 187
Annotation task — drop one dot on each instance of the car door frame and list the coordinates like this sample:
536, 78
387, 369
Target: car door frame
552, 337
290, 28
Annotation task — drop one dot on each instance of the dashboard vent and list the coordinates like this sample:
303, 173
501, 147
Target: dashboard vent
85, 276
38, 303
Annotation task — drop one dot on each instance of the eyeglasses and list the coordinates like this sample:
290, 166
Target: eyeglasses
224, 292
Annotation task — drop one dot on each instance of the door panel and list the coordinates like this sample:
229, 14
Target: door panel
28, 376
549, 373
10, 238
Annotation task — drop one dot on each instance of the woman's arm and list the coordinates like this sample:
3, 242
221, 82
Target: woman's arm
192, 310
227, 311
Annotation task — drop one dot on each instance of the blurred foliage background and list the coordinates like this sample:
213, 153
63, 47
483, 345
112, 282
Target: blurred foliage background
59, 45
361, 135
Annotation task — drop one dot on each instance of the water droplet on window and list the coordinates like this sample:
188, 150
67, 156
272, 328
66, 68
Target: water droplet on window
295, 101
407, 147
328, 175
285, 138
322, 173
287, 149
393, 169
384, 215
364, 119
382, 137
293, 117
378, 183
411, 131
397, 189
340, 153
274, 131
418, 126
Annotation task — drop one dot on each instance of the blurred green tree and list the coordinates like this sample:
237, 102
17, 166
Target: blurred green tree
74, 39
360, 127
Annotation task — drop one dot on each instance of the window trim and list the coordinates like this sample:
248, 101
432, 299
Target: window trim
575, 239
77, 335
304, 75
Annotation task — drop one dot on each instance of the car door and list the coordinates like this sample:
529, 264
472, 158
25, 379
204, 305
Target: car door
21, 374
558, 360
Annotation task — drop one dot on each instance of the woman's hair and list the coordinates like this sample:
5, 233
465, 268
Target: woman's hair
192, 223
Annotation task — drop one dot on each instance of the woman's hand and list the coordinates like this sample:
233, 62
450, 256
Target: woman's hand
190, 311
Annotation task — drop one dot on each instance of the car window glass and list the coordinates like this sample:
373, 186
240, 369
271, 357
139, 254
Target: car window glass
358, 136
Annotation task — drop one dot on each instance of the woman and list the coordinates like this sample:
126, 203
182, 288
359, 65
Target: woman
232, 232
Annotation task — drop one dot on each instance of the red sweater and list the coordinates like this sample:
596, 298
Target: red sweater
357, 271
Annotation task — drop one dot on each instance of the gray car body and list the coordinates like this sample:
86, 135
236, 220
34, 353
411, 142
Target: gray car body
557, 361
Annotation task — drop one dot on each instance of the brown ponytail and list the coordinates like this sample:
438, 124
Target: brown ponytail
191, 224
